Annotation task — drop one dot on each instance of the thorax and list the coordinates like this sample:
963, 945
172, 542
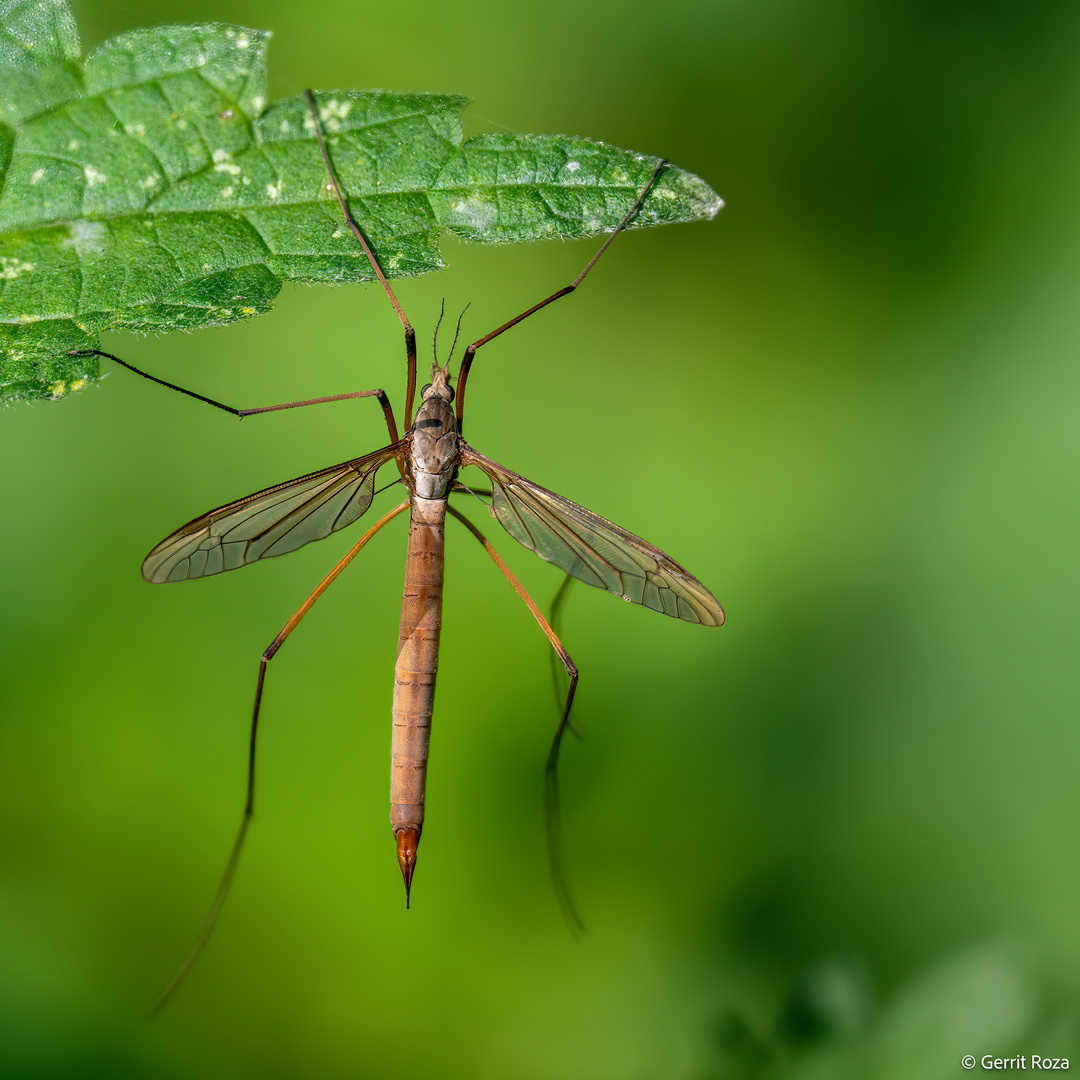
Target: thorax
434, 449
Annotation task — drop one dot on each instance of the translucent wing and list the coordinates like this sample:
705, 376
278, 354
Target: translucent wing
271, 522
592, 549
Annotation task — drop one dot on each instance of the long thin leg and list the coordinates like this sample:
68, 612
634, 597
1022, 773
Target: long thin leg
470, 352
410, 333
388, 412
551, 791
222, 892
553, 619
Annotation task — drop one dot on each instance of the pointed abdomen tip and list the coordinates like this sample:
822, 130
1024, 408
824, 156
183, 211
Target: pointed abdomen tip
408, 840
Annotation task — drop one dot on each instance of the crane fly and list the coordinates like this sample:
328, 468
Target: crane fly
428, 458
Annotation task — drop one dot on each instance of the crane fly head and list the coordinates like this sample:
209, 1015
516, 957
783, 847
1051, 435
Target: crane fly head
439, 385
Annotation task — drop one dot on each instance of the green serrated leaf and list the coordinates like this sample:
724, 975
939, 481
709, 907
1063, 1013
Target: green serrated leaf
149, 187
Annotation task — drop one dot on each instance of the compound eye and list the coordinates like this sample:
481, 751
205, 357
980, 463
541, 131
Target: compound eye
424, 390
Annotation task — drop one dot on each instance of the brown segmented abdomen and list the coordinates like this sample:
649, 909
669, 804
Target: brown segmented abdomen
414, 676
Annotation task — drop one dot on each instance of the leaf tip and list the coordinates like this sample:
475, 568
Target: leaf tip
698, 198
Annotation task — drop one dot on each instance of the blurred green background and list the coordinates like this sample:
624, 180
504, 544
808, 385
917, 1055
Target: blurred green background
834, 838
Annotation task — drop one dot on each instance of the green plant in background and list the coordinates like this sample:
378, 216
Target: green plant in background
939, 1023
150, 187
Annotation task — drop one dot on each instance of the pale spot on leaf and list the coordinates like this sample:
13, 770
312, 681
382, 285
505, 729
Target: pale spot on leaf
11, 268
334, 109
223, 162
477, 213
87, 237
